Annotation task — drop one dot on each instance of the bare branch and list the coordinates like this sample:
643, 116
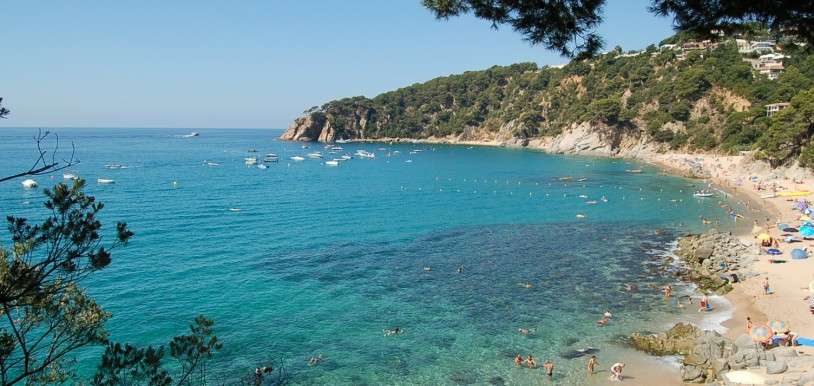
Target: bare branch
42, 165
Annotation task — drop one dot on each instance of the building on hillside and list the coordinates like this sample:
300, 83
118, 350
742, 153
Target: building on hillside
668, 47
771, 109
760, 47
772, 58
771, 70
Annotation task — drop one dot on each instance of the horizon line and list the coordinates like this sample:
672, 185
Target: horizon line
139, 127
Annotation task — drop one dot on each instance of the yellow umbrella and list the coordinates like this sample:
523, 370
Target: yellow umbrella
763, 236
779, 325
761, 333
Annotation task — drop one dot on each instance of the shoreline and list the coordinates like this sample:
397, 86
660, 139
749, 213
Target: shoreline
733, 175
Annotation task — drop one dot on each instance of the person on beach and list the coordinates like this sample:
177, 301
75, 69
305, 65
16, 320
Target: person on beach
766, 289
616, 371
530, 362
518, 360
748, 324
549, 367
592, 363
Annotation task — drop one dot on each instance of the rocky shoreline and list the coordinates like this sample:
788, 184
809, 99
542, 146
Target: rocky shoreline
715, 261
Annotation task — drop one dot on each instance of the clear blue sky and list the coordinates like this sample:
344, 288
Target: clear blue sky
192, 64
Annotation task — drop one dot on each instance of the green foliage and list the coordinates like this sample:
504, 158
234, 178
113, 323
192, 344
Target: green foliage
644, 91
123, 365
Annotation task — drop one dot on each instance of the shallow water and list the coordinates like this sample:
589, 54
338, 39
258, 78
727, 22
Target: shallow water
319, 260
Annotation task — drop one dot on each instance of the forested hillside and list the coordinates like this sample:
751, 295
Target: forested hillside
708, 97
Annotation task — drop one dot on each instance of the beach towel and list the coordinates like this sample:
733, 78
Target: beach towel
805, 341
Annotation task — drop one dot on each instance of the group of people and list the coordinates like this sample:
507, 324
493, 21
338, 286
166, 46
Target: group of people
593, 362
531, 363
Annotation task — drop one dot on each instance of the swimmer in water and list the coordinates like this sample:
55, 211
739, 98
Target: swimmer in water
518, 360
530, 362
549, 367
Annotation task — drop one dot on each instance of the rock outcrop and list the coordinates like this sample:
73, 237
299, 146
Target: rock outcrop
708, 354
714, 260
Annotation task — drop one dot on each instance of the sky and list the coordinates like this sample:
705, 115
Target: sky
246, 64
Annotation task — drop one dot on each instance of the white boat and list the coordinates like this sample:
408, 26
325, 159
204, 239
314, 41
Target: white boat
190, 135
315, 155
262, 166
332, 163
297, 158
365, 154
104, 181
29, 184
703, 193
343, 141
234, 209
210, 163
409, 161
250, 160
115, 166
337, 148
69, 176
345, 157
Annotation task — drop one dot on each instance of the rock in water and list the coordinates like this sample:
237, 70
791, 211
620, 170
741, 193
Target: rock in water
678, 340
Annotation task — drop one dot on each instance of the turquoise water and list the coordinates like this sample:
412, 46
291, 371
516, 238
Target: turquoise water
319, 260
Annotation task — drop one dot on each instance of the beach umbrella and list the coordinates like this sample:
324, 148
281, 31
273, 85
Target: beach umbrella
760, 333
774, 251
799, 254
765, 236
779, 325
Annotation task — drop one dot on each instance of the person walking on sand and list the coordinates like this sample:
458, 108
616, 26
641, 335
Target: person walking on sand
549, 367
766, 289
616, 371
592, 363
748, 324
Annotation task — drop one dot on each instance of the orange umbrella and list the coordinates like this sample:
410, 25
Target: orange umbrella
761, 333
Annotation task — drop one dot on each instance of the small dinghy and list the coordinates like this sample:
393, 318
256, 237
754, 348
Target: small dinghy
29, 184
104, 181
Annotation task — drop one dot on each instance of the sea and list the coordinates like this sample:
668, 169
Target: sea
459, 247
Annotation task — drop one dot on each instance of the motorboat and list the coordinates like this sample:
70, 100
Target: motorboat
115, 166
271, 157
297, 158
69, 176
191, 135
250, 160
210, 163
315, 155
29, 184
365, 154
345, 157
332, 163
104, 181
262, 166
337, 148
634, 170
703, 193
343, 141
